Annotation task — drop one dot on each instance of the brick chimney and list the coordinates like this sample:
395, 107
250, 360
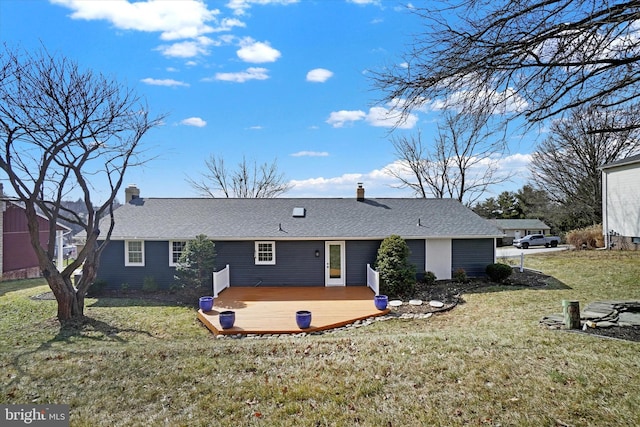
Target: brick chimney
360, 192
131, 192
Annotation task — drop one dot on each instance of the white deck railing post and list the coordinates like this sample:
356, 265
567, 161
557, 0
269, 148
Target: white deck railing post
220, 281
373, 280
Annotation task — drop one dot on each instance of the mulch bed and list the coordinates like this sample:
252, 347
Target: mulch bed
450, 292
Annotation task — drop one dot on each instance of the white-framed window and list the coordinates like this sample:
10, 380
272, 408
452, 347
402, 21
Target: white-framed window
265, 253
176, 249
134, 253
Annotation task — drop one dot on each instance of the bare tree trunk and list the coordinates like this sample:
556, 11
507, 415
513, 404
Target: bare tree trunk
65, 294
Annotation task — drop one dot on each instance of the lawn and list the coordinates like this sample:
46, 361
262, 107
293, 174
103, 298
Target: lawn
487, 362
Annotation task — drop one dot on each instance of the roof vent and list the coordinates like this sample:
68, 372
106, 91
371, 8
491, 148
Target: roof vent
299, 212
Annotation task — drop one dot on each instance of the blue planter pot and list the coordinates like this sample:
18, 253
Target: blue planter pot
303, 319
227, 319
206, 303
381, 301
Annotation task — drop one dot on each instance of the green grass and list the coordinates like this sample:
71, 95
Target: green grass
487, 362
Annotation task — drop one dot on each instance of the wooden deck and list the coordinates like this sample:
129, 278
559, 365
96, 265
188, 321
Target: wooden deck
271, 310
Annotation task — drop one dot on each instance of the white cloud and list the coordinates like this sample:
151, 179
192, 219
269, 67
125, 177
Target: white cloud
377, 183
334, 187
257, 52
381, 183
365, 2
252, 73
384, 117
189, 48
257, 127
310, 154
173, 19
239, 7
183, 23
194, 121
377, 116
503, 102
338, 119
517, 162
319, 75
163, 82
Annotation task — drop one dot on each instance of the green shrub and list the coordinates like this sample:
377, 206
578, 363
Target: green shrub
460, 275
196, 263
429, 278
149, 284
498, 272
397, 275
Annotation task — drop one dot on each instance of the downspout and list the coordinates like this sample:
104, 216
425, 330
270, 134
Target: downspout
605, 211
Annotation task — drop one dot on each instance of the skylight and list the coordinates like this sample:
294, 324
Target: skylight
299, 212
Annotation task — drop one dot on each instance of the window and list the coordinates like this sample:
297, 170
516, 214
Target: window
635, 240
176, 248
265, 253
134, 253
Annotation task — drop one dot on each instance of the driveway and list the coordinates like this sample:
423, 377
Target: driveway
512, 251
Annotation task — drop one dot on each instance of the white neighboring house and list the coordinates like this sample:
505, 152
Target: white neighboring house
518, 228
621, 203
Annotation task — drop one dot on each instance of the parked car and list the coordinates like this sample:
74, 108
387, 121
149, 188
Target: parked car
536, 240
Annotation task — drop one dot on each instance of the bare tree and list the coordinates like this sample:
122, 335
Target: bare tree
532, 58
567, 164
247, 181
64, 131
462, 164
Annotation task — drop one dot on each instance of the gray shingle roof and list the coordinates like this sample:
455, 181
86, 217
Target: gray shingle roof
244, 219
515, 224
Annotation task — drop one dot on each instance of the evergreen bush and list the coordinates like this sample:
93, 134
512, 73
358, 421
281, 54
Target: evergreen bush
429, 278
197, 262
397, 275
460, 275
498, 272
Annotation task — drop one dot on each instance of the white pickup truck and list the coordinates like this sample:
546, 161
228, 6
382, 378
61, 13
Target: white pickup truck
536, 240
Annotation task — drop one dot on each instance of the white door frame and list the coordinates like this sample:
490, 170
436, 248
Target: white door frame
328, 279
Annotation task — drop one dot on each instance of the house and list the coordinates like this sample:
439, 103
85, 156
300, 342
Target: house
293, 241
17, 257
517, 228
621, 203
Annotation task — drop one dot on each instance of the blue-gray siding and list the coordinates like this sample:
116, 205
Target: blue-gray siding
473, 255
417, 256
359, 253
296, 263
113, 271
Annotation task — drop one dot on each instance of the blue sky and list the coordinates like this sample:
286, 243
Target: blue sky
263, 79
